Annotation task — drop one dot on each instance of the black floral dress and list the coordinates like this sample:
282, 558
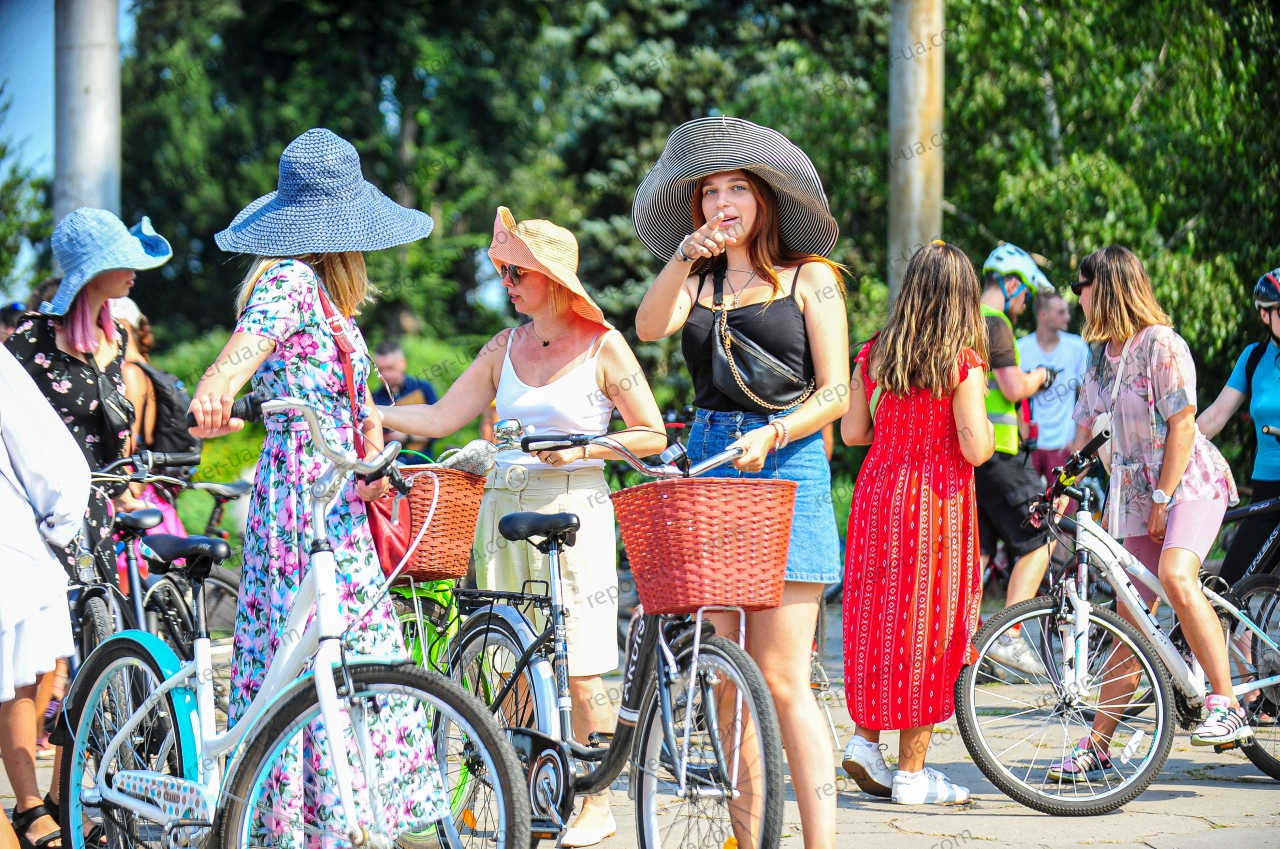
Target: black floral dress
71, 385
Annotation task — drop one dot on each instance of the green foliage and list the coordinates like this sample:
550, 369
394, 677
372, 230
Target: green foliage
24, 215
1069, 125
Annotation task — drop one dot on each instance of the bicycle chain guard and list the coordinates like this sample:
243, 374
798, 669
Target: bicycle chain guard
551, 774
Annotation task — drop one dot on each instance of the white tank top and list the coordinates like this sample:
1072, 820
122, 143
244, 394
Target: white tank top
571, 404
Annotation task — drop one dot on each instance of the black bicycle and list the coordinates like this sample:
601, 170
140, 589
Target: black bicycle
697, 724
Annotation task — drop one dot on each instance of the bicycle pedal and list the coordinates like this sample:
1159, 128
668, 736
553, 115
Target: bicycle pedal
1226, 747
600, 739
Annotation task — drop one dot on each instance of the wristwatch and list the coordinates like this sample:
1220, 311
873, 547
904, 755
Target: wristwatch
1160, 497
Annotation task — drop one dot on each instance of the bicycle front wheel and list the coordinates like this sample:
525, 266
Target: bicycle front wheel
96, 625
1021, 725
412, 734
1260, 600
723, 779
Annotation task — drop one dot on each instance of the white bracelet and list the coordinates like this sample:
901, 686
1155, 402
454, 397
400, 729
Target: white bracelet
680, 250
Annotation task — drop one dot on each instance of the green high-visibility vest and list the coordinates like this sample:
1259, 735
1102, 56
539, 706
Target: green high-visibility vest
1001, 412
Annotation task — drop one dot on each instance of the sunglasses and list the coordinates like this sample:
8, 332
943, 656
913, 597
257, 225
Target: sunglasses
1078, 288
512, 271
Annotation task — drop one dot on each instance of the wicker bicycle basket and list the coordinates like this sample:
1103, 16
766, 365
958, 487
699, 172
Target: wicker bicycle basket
445, 549
705, 541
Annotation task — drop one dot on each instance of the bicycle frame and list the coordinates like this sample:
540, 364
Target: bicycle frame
1118, 564
287, 672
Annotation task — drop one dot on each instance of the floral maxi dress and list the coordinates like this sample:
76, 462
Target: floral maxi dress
912, 575
284, 308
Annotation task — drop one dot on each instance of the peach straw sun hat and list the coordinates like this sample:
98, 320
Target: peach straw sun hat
549, 248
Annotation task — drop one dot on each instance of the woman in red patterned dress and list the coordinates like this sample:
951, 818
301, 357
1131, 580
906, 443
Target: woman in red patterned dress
912, 581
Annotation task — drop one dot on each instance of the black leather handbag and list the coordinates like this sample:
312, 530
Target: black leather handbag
744, 371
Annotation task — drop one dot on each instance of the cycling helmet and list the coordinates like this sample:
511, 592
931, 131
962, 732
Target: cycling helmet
1266, 295
1011, 259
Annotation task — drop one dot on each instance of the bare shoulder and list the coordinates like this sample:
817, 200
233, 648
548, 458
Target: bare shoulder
615, 350
818, 281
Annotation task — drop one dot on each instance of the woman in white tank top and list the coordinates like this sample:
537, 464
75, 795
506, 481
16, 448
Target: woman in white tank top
563, 372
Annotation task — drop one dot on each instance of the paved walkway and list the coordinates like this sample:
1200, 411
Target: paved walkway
1201, 800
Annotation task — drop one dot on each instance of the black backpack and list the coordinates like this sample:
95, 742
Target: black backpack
170, 433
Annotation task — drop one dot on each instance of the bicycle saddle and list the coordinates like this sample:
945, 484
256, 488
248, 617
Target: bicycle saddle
138, 520
518, 526
201, 554
235, 489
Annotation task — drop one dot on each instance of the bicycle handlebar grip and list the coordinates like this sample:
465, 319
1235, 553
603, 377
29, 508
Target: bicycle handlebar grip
1091, 448
248, 408
1271, 431
191, 458
553, 442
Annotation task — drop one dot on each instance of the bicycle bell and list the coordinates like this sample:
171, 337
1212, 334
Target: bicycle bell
675, 455
507, 433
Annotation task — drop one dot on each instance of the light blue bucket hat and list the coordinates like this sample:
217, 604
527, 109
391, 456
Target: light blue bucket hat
89, 241
323, 204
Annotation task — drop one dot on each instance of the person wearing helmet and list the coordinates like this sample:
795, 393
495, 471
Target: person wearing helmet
1256, 379
1007, 484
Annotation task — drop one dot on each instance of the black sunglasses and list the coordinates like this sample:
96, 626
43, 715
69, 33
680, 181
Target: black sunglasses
512, 271
1078, 288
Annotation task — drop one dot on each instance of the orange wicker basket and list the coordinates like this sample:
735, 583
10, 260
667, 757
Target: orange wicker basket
703, 541
445, 549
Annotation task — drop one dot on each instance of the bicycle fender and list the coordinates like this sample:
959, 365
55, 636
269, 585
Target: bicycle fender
184, 697
95, 591
548, 719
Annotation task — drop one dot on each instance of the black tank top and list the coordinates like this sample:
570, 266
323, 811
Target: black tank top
776, 326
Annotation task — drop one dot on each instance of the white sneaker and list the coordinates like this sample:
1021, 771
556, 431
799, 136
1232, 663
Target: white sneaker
1015, 653
927, 787
866, 766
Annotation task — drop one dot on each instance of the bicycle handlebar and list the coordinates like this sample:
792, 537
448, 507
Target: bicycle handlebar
666, 471
248, 408
1064, 479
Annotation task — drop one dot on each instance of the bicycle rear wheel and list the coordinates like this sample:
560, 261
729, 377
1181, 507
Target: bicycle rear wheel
1260, 600
439, 734
733, 778
1017, 726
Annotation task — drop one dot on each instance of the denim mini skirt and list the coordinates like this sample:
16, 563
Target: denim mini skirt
814, 556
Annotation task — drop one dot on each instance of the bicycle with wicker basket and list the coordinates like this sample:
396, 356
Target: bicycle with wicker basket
697, 725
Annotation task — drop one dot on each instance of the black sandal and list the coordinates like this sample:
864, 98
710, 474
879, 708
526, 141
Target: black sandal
22, 821
55, 810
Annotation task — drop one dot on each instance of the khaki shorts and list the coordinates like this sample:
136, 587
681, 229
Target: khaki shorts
588, 570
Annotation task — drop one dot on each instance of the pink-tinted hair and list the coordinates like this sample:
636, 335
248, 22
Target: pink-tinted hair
78, 325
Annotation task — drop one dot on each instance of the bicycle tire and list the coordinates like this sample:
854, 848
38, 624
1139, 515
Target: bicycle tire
1259, 597
388, 681
971, 728
726, 657
93, 716
494, 635
96, 625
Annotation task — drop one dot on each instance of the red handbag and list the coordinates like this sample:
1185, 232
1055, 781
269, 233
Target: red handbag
389, 517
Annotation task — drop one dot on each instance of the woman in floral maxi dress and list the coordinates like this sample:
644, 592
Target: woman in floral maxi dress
282, 340
912, 577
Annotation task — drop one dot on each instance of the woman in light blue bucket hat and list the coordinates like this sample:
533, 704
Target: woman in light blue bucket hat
308, 239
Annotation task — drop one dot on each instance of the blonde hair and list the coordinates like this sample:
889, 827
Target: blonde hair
765, 244
938, 314
344, 276
1122, 302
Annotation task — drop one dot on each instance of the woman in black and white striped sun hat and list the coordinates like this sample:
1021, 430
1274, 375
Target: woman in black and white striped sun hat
736, 207
710, 145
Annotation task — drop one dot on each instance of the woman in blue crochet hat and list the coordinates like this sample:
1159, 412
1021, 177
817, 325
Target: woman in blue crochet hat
308, 239
74, 351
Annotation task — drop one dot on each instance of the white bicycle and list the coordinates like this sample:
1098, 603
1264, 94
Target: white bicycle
1019, 723
150, 767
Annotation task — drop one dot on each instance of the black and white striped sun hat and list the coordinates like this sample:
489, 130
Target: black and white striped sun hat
710, 145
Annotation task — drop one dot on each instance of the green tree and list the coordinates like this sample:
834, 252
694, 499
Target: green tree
25, 216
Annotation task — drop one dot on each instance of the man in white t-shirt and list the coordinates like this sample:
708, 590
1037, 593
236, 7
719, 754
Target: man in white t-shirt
1052, 347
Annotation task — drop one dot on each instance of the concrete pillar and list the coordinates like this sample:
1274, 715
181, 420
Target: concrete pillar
87, 105
917, 39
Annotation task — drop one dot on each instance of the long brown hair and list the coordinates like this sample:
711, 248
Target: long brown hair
1122, 301
937, 315
343, 275
765, 246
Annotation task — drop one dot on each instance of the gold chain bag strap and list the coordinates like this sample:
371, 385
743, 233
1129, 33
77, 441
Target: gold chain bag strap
744, 371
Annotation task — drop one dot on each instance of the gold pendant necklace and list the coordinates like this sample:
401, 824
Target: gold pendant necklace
546, 342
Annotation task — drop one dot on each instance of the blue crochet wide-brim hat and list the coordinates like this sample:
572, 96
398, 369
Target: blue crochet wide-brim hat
322, 204
89, 241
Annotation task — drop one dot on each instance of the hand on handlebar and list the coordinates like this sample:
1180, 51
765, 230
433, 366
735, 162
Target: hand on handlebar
755, 446
213, 417
563, 457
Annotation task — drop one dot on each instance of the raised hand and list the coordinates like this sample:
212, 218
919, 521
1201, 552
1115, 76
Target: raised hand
707, 240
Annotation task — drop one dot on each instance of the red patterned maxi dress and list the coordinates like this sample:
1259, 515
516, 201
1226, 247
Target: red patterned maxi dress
912, 583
